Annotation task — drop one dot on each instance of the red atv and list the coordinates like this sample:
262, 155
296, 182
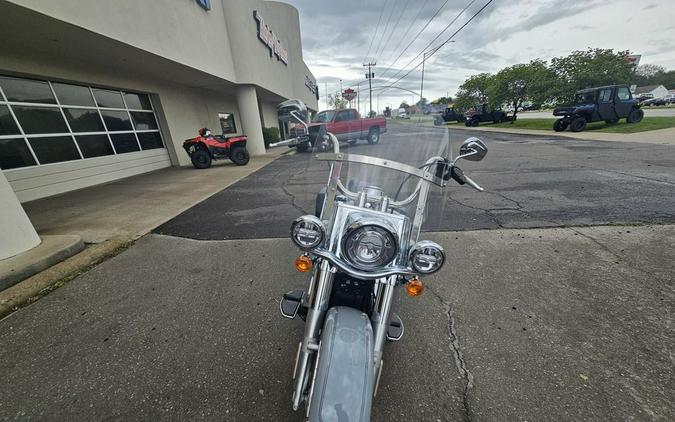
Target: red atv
207, 147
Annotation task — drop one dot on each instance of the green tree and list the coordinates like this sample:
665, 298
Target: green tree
335, 102
587, 69
442, 100
474, 91
404, 105
522, 82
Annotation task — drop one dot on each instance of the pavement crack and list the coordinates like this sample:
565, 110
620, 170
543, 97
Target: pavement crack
292, 198
455, 348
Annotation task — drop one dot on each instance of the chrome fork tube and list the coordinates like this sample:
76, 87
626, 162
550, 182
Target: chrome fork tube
323, 284
381, 318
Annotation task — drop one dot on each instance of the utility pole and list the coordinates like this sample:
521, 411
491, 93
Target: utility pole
370, 75
424, 58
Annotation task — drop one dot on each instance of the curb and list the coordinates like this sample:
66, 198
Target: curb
51, 250
33, 288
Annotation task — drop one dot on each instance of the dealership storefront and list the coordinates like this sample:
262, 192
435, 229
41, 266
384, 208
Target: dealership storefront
91, 92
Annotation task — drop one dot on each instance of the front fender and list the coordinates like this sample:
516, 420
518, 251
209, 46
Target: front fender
344, 379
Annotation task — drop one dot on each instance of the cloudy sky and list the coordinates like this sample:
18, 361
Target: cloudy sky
339, 35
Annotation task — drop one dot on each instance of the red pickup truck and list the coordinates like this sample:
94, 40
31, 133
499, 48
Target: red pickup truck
347, 125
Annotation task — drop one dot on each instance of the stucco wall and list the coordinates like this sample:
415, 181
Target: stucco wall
269, 114
222, 41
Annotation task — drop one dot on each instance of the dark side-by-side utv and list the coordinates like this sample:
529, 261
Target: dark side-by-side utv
608, 103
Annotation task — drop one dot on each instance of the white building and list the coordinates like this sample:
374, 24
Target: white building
653, 91
94, 91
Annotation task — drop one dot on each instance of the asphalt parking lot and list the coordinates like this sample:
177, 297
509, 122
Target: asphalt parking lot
555, 305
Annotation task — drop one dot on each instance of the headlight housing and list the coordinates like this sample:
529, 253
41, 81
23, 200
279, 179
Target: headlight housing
307, 232
368, 246
427, 257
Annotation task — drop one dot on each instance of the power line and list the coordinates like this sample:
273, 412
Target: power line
412, 22
386, 28
434, 50
416, 36
384, 6
393, 28
435, 38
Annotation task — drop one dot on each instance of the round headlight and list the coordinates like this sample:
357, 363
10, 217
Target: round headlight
427, 257
307, 231
369, 246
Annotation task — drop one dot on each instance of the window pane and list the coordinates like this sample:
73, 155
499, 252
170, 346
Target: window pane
27, 90
40, 120
150, 140
73, 94
137, 101
144, 120
54, 149
106, 98
227, 123
124, 142
14, 153
116, 120
7, 124
623, 94
83, 120
94, 145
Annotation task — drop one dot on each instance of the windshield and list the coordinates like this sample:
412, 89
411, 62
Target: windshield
408, 144
324, 116
587, 97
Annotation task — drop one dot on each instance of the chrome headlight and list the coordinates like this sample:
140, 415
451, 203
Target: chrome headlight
307, 232
427, 257
368, 246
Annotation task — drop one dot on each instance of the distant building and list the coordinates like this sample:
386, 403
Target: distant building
651, 91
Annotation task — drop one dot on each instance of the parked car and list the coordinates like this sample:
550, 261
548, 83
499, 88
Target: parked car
654, 102
346, 124
608, 103
402, 114
447, 116
474, 117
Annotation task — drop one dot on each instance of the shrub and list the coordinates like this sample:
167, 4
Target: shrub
270, 135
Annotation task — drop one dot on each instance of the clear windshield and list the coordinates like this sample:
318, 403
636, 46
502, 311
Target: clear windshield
409, 143
324, 116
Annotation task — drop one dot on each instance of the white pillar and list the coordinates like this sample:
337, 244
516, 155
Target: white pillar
249, 115
16, 231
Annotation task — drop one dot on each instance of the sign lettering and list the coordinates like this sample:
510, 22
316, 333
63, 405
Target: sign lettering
268, 38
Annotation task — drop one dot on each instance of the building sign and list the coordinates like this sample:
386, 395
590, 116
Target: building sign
311, 85
205, 4
349, 94
633, 59
268, 38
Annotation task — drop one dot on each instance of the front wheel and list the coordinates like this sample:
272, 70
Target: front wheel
201, 159
560, 125
636, 115
374, 136
578, 124
474, 122
239, 156
438, 122
303, 147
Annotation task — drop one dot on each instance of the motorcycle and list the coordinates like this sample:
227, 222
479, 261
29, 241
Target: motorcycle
358, 248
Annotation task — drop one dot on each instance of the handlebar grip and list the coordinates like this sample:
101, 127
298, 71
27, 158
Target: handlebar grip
473, 184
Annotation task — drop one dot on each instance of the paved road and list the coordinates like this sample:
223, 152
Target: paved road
649, 112
562, 324
530, 181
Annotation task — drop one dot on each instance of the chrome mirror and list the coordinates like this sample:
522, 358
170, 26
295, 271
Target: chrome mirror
473, 149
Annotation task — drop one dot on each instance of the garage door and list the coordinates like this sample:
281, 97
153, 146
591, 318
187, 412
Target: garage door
56, 137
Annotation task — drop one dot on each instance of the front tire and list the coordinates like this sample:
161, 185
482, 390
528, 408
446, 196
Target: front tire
560, 125
374, 136
201, 159
578, 124
304, 147
239, 156
474, 122
636, 115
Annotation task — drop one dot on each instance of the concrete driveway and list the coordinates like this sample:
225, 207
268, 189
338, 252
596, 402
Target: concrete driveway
548, 324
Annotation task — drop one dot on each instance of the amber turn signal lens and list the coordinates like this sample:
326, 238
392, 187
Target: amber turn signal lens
303, 264
414, 287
